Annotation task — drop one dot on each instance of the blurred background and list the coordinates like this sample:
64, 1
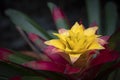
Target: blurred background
75, 10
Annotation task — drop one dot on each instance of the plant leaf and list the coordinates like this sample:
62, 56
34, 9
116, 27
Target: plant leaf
10, 69
51, 66
55, 56
12, 56
58, 16
27, 24
20, 58
18, 70
110, 18
44, 65
93, 10
107, 71
27, 78
27, 40
114, 41
38, 41
105, 56
13, 62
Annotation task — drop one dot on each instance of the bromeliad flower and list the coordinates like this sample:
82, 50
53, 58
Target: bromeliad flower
77, 54
77, 41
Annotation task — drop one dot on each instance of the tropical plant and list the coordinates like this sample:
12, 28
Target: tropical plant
76, 54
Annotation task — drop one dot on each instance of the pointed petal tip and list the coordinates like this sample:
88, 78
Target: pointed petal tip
74, 57
62, 30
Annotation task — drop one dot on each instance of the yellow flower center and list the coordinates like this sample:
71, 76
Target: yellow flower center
76, 41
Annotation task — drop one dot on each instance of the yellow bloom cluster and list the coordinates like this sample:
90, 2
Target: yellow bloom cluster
76, 41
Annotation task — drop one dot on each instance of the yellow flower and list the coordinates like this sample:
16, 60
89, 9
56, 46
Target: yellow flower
76, 41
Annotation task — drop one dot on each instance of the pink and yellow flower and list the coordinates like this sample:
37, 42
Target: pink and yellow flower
77, 41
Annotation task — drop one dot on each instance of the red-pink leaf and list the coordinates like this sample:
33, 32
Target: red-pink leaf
71, 70
39, 41
51, 66
34, 37
58, 16
16, 78
55, 56
43, 65
4, 54
104, 57
93, 24
90, 73
106, 38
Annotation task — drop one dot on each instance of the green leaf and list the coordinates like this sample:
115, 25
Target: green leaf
110, 18
32, 78
93, 12
115, 75
107, 69
20, 58
27, 24
2, 77
114, 41
11, 70
54, 75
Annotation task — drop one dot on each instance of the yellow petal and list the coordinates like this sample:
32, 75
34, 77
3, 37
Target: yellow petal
56, 43
95, 45
68, 50
74, 57
77, 41
80, 44
70, 43
77, 28
60, 36
90, 31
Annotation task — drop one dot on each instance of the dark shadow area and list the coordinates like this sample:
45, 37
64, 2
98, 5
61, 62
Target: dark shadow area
10, 38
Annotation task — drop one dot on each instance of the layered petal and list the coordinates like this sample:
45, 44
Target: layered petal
56, 42
90, 31
77, 41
